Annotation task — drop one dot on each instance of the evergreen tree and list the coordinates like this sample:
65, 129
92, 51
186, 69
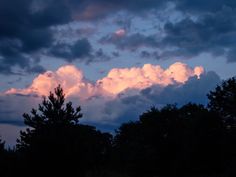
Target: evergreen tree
52, 114
56, 143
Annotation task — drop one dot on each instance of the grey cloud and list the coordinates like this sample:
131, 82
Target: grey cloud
96, 9
80, 49
194, 90
212, 33
127, 107
129, 42
148, 54
203, 6
12, 107
231, 55
25, 30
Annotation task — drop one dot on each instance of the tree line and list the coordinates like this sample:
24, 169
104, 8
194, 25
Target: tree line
188, 141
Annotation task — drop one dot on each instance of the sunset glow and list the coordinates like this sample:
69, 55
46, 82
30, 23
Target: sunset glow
113, 58
117, 80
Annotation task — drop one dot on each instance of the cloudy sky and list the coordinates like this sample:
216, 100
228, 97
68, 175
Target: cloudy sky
115, 58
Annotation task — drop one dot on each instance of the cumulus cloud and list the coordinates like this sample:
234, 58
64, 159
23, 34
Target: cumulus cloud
70, 78
130, 107
107, 97
117, 80
121, 79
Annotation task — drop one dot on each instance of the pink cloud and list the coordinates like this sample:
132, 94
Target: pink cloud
117, 80
120, 32
69, 77
121, 79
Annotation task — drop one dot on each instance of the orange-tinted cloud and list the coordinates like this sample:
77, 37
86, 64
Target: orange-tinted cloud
120, 32
117, 80
69, 77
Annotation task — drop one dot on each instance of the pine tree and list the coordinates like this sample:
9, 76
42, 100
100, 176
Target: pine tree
56, 143
53, 113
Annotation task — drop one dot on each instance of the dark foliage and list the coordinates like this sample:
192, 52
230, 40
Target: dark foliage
190, 141
56, 144
171, 142
223, 101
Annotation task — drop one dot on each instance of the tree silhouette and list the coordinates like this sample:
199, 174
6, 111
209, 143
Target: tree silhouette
7, 160
52, 114
222, 100
171, 142
2, 155
57, 140
192, 140
2, 144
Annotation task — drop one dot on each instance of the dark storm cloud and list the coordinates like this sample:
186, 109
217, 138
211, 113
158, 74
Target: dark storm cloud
214, 30
202, 6
96, 9
129, 42
25, 30
80, 49
148, 54
213, 33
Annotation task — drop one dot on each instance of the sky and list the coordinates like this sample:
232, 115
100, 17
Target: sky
114, 58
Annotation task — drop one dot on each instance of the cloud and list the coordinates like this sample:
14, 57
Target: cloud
194, 90
204, 6
129, 42
129, 107
212, 33
9, 133
96, 9
110, 98
25, 30
81, 49
70, 78
117, 80
120, 32
204, 27
13, 106
98, 106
